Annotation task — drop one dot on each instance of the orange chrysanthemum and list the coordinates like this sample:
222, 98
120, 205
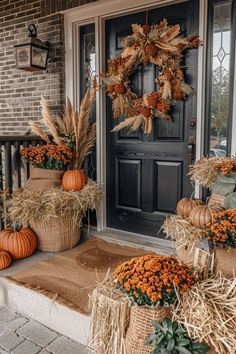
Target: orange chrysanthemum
153, 280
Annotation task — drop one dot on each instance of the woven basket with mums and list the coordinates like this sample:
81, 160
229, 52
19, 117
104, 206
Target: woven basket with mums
140, 327
150, 282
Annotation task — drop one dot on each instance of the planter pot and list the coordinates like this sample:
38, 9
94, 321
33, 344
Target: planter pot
140, 327
57, 234
225, 261
43, 179
42, 173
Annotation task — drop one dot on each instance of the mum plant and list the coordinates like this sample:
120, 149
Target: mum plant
49, 156
223, 229
153, 280
170, 337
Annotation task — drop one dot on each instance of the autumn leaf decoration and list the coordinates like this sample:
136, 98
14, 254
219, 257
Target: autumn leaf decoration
163, 46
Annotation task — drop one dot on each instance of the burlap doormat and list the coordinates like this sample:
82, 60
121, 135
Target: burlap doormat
69, 277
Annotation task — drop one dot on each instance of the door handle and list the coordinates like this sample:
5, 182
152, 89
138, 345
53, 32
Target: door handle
191, 149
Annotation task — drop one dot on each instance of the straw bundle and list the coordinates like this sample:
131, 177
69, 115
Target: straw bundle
182, 231
110, 316
204, 171
208, 312
43, 206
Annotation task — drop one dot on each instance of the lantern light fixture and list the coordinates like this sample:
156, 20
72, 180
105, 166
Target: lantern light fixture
32, 54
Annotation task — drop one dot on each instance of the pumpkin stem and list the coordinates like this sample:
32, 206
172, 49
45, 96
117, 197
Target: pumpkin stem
16, 226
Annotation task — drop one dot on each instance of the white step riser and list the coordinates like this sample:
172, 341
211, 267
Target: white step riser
46, 311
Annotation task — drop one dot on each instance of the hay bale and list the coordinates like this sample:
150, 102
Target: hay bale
37, 206
208, 312
110, 317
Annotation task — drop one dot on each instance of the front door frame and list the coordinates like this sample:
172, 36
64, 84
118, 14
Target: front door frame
98, 12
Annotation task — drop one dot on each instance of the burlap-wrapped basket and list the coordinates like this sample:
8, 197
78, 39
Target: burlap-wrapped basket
57, 234
140, 327
225, 261
43, 179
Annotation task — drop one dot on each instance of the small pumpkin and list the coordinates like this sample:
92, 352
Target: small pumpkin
186, 205
19, 242
202, 215
73, 180
5, 259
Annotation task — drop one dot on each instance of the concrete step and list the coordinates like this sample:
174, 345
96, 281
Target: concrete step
48, 312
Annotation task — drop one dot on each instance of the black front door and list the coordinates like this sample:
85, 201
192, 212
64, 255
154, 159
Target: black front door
146, 174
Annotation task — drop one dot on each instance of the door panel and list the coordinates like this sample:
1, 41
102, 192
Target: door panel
146, 173
168, 182
129, 174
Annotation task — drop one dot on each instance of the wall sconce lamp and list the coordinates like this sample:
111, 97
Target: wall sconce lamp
32, 54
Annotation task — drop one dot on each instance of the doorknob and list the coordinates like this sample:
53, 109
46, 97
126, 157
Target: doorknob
191, 149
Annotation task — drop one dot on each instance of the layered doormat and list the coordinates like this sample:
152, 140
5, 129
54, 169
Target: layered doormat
69, 277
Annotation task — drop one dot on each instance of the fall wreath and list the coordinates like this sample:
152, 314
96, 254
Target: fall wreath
163, 46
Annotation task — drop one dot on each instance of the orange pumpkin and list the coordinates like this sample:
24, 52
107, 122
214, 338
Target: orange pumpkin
5, 259
186, 205
19, 242
203, 214
73, 180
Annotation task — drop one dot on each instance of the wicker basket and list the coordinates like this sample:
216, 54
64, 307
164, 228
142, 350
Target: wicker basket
58, 234
42, 179
225, 261
140, 327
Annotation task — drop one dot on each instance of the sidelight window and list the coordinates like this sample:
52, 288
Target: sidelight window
220, 80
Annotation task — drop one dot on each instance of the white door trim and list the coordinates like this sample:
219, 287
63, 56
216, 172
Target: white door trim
97, 12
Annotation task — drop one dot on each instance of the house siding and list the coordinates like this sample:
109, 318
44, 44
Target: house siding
20, 91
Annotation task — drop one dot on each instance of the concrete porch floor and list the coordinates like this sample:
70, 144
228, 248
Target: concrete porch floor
37, 308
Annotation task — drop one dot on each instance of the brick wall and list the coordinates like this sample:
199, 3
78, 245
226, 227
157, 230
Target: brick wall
20, 91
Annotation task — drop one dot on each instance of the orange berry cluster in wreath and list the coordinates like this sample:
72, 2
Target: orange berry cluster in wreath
163, 46
152, 280
223, 228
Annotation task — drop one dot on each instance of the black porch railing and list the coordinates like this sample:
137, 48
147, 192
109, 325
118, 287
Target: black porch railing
13, 174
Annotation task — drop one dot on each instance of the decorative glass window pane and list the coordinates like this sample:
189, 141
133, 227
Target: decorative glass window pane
220, 78
87, 56
87, 71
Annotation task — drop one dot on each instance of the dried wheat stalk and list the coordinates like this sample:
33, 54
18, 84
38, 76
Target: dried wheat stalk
49, 122
85, 133
40, 132
208, 312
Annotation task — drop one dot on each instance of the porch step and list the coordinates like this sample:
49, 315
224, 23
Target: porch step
40, 308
